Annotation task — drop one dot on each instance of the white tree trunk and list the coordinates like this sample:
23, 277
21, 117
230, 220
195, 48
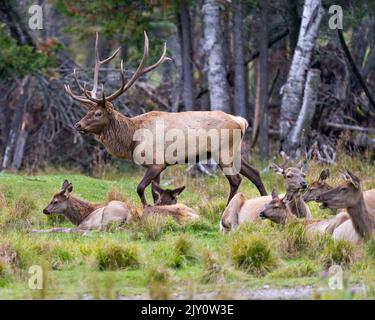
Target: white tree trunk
293, 89
213, 36
301, 130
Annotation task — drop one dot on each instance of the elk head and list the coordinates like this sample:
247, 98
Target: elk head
59, 202
346, 195
276, 210
166, 197
100, 109
317, 187
294, 177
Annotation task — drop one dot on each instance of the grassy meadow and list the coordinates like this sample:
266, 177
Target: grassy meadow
160, 259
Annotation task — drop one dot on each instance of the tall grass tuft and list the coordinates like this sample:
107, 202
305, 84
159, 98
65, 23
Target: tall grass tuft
153, 227
339, 252
20, 212
116, 194
158, 279
295, 239
253, 253
113, 255
213, 268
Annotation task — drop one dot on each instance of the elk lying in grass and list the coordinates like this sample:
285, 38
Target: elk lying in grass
349, 195
117, 132
241, 210
88, 216
166, 205
279, 212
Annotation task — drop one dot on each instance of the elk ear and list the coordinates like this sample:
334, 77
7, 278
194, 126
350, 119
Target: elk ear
324, 175
276, 168
178, 191
274, 194
354, 180
69, 189
65, 185
302, 165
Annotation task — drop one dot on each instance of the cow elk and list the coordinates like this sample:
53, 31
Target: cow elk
241, 210
320, 186
116, 131
279, 212
89, 216
349, 195
85, 215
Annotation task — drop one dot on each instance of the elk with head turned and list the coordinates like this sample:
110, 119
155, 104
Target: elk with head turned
241, 210
117, 132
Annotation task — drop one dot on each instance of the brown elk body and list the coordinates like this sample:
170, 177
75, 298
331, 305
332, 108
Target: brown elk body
241, 210
349, 195
117, 132
88, 216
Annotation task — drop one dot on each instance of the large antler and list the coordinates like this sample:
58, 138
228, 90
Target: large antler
141, 70
91, 96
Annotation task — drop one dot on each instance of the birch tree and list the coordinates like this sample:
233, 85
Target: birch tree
293, 89
216, 73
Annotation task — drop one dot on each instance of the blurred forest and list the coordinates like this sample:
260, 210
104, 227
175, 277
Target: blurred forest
306, 89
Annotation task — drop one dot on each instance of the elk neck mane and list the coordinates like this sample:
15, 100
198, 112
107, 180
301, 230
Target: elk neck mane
117, 137
78, 210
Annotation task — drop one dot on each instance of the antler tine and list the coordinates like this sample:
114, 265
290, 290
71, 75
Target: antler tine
90, 97
137, 73
162, 59
99, 63
74, 96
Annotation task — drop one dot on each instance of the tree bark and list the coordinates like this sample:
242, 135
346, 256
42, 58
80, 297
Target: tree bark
240, 68
302, 128
17, 118
292, 91
263, 82
217, 81
294, 22
186, 54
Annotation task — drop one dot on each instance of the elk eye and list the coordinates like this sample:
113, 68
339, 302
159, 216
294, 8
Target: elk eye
98, 114
289, 176
55, 202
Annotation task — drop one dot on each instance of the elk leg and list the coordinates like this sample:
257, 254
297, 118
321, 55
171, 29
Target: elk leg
253, 175
154, 194
151, 173
234, 181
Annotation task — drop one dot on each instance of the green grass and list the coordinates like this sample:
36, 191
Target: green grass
158, 257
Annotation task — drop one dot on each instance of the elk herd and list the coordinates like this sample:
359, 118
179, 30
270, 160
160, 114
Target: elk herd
354, 218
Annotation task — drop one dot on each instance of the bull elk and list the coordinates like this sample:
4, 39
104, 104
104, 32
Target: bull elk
241, 210
117, 132
349, 195
90, 216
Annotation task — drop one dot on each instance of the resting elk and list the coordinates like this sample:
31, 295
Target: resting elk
117, 132
241, 210
279, 212
349, 195
90, 216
